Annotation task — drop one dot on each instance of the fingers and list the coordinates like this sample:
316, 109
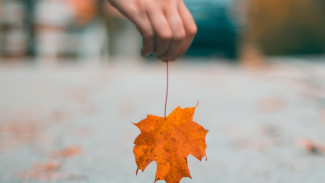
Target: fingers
167, 26
161, 28
135, 12
183, 29
148, 36
178, 34
143, 24
189, 26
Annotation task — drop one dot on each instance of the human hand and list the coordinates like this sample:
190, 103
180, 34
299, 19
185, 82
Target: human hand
167, 26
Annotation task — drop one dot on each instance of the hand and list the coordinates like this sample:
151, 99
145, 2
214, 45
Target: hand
167, 26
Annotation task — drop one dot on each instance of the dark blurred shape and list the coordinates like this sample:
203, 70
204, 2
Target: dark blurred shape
13, 39
218, 29
29, 24
287, 27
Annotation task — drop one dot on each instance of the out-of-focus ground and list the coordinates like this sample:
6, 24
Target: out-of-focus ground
72, 123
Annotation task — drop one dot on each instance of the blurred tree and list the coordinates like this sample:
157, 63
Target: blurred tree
287, 27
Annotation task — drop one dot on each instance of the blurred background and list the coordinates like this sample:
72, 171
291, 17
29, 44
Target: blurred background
92, 30
72, 80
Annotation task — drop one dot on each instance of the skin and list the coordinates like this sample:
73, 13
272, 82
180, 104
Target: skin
167, 26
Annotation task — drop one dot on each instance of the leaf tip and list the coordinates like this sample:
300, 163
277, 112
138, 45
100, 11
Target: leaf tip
197, 103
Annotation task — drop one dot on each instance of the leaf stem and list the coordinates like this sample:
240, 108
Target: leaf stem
166, 91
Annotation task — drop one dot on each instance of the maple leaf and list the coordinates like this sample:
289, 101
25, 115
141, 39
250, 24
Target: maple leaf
169, 141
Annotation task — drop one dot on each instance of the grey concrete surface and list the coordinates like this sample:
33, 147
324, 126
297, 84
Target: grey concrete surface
256, 119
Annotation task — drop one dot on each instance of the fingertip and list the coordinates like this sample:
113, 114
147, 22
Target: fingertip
174, 59
164, 59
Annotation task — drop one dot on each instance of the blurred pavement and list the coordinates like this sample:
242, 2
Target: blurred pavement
72, 124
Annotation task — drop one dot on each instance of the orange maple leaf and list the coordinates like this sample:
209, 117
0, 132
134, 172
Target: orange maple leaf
169, 141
